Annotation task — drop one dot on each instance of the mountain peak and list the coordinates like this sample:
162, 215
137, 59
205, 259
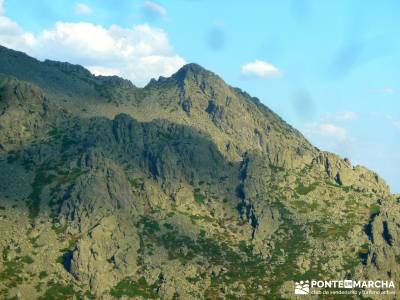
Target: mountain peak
192, 71
192, 67
189, 72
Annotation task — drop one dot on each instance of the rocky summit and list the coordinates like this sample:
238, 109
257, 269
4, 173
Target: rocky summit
187, 188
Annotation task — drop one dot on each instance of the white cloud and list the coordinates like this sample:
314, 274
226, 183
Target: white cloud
153, 9
12, 35
98, 70
341, 117
349, 115
331, 137
138, 53
82, 9
1, 7
327, 130
261, 69
386, 90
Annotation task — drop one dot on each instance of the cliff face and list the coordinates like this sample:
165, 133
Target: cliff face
185, 189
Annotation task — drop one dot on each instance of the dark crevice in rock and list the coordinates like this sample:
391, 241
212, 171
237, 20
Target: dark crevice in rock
187, 106
363, 257
373, 259
338, 180
240, 192
215, 111
67, 260
328, 167
152, 164
386, 234
368, 227
245, 208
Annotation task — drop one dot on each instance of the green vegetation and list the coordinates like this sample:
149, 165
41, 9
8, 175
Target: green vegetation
67, 142
364, 249
397, 257
55, 133
276, 169
304, 190
305, 206
137, 183
13, 156
294, 243
363, 253
150, 226
130, 288
34, 198
43, 274
374, 209
168, 226
11, 274
60, 291
198, 196
27, 259
64, 177
240, 263
337, 231
33, 241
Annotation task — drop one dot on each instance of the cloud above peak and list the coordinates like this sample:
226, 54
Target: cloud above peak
138, 53
327, 130
260, 69
344, 116
82, 9
153, 10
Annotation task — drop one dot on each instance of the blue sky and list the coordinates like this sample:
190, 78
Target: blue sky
329, 68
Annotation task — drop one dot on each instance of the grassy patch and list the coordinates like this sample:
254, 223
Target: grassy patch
276, 168
305, 206
10, 275
304, 190
27, 259
374, 209
33, 241
397, 258
198, 196
150, 226
137, 183
339, 230
130, 288
59, 291
43, 274
294, 243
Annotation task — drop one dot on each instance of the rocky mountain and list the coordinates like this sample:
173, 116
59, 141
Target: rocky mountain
184, 189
